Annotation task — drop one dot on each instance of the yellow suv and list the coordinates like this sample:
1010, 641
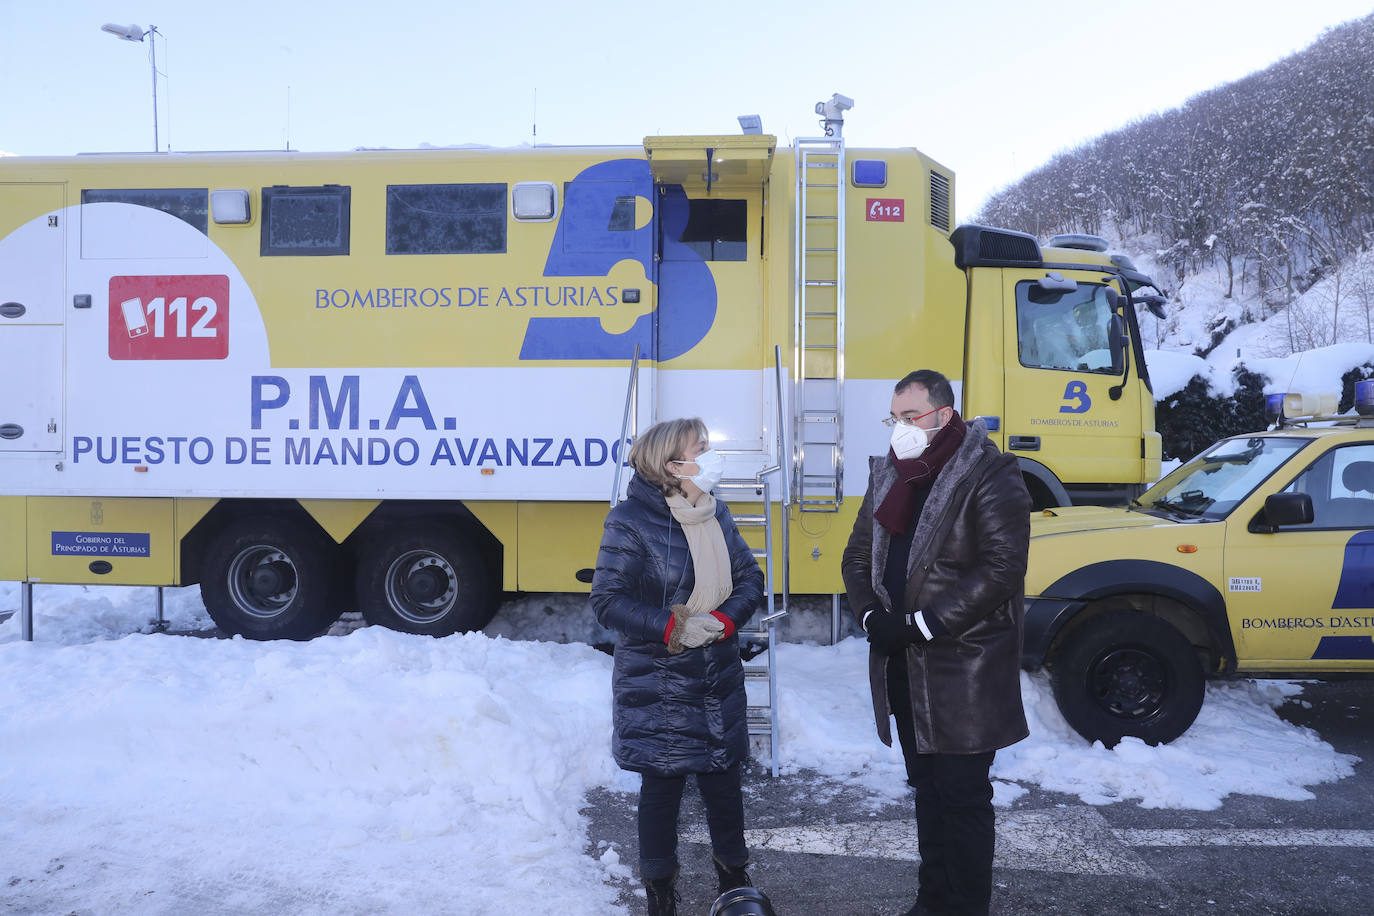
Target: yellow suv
1256, 558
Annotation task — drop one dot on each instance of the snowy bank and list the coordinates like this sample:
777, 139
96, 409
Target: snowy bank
383, 773
1318, 370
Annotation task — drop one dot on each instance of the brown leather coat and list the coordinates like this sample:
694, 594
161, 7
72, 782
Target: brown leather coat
967, 569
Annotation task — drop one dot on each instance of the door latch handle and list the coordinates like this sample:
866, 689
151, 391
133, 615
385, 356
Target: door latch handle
1024, 443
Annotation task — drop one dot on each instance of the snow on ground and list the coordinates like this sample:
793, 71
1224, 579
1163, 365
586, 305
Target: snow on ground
1239, 745
383, 773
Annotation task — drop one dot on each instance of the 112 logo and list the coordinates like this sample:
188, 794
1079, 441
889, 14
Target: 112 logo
885, 210
169, 317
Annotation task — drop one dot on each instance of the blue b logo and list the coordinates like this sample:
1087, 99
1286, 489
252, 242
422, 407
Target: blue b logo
584, 245
1076, 391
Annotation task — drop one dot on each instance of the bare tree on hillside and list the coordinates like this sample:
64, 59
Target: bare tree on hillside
1362, 294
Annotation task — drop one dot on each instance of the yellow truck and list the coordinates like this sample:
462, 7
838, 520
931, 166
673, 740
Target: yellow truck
1255, 558
403, 381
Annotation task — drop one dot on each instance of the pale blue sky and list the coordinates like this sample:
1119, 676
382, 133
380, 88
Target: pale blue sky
991, 89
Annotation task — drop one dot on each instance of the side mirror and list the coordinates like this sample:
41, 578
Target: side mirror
1281, 509
1153, 302
1117, 341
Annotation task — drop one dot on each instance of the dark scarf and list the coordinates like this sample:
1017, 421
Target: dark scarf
913, 473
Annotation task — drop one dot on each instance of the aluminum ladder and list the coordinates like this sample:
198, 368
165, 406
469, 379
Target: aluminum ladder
758, 636
818, 315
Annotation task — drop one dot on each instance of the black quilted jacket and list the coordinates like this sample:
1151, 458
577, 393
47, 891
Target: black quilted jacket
674, 714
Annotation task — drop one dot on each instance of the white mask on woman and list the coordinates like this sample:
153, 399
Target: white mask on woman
710, 468
911, 441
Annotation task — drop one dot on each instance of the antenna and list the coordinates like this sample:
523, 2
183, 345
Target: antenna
534, 120
1296, 366
287, 135
167, 82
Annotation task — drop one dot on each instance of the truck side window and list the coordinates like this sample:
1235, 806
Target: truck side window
446, 218
717, 229
1341, 484
1064, 330
190, 205
305, 221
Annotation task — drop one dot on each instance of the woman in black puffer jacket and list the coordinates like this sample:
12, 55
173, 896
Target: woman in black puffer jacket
674, 579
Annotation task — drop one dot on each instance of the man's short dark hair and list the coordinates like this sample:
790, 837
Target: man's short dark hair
935, 385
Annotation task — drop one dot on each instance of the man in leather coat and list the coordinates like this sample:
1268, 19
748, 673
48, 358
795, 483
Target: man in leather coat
935, 570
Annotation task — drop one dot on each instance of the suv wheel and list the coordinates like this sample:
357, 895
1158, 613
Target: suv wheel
1126, 673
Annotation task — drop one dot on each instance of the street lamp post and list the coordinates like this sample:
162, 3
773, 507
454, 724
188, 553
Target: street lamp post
135, 33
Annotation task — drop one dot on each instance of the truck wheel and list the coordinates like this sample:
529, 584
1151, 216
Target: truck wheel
271, 579
430, 582
1125, 673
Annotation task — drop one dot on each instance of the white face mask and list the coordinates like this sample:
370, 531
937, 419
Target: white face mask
710, 468
911, 441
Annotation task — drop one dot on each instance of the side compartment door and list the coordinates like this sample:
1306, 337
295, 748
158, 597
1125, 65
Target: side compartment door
32, 290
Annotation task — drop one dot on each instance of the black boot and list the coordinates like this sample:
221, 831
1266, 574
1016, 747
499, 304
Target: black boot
731, 877
663, 895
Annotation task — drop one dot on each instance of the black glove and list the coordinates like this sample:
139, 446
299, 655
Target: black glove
890, 633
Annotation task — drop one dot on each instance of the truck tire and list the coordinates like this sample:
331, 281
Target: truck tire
431, 582
1125, 673
271, 578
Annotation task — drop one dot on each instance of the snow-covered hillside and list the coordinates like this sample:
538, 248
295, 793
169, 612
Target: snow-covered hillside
1307, 345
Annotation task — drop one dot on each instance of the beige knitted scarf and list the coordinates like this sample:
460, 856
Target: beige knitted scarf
710, 560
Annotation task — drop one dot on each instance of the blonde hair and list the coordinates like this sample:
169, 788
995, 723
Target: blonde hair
662, 443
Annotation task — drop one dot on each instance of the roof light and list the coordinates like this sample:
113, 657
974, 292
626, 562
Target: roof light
1364, 397
1079, 241
1273, 407
1291, 405
869, 173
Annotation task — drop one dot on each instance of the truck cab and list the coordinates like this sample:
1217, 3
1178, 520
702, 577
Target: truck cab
1055, 366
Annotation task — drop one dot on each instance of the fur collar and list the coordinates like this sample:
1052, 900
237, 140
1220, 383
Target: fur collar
883, 475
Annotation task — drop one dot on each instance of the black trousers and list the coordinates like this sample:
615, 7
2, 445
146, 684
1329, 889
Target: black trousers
660, 798
955, 829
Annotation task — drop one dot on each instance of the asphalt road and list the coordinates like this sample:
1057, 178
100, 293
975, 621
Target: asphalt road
819, 849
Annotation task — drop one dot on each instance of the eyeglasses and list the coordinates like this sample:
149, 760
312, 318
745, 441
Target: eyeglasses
891, 421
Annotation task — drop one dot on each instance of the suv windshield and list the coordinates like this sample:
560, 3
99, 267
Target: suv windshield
1213, 483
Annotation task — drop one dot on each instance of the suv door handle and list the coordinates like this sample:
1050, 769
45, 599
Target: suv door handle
1024, 443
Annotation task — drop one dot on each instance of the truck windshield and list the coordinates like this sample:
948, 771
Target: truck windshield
1213, 483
